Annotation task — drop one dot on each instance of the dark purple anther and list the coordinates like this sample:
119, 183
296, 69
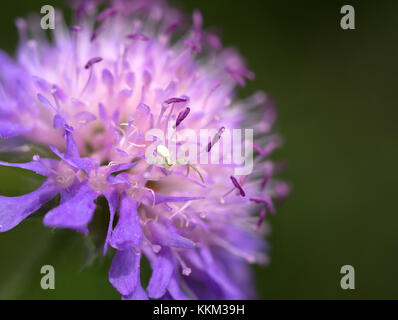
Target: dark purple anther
181, 116
138, 36
92, 61
238, 186
216, 138
265, 201
265, 181
105, 14
262, 217
96, 33
171, 28
175, 100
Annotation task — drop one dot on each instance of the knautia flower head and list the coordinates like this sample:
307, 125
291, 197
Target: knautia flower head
95, 96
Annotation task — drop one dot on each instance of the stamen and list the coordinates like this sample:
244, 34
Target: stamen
106, 14
138, 36
265, 181
238, 186
162, 111
92, 61
181, 116
235, 251
171, 28
216, 138
214, 88
96, 33
186, 205
176, 100
186, 271
258, 149
262, 217
265, 201
89, 65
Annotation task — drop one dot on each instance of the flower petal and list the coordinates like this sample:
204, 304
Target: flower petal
14, 209
75, 213
139, 293
122, 167
10, 129
42, 167
163, 268
161, 235
113, 200
174, 289
160, 198
125, 271
128, 232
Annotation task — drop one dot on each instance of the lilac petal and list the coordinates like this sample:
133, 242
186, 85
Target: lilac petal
128, 232
122, 166
102, 112
139, 293
42, 167
161, 235
163, 269
59, 122
175, 290
122, 178
75, 213
69, 193
85, 117
9, 129
113, 200
125, 271
85, 164
71, 148
107, 78
46, 102
14, 209
160, 198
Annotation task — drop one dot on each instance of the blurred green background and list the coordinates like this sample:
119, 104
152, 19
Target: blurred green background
337, 101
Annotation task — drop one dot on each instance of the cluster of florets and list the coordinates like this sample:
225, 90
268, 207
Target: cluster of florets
90, 97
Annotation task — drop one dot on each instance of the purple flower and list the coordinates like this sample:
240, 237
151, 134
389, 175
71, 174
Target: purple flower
90, 98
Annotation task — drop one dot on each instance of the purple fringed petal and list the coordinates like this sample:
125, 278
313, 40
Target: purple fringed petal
174, 289
85, 164
10, 129
160, 198
14, 209
122, 167
139, 293
125, 271
161, 235
75, 213
113, 199
128, 232
42, 167
163, 268
72, 150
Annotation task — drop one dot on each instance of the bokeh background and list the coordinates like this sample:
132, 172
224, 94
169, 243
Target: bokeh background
337, 100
